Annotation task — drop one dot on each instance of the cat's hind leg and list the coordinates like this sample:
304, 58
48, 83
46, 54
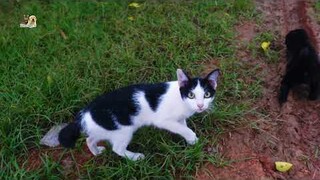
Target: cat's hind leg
92, 145
314, 89
284, 89
120, 140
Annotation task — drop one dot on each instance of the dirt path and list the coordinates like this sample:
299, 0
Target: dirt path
290, 133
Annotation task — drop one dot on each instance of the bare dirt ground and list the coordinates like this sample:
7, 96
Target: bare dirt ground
289, 133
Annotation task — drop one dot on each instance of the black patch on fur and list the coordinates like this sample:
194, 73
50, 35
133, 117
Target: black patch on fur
153, 93
69, 134
192, 83
302, 65
118, 103
117, 107
205, 84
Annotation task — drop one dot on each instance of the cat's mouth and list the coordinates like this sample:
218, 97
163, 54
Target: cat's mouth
199, 110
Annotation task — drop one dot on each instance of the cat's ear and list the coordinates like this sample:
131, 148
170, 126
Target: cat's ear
183, 78
213, 77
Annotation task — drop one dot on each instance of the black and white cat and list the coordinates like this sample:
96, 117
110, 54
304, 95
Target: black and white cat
303, 65
115, 116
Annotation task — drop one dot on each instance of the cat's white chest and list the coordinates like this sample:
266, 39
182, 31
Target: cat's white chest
174, 109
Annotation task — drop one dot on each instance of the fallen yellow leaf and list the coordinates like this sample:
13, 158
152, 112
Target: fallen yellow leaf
265, 45
131, 18
283, 166
134, 4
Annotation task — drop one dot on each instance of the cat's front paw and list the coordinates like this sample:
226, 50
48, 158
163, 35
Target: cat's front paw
193, 141
136, 156
313, 96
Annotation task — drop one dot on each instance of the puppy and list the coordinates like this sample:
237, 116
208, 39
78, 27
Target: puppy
303, 66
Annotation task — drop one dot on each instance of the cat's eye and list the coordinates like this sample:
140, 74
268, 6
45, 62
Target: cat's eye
207, 94
191, 95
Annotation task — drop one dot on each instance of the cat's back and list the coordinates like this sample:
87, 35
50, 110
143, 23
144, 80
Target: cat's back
125, 96
121, 105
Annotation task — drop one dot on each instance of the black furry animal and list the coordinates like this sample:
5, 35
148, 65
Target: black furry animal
303, 65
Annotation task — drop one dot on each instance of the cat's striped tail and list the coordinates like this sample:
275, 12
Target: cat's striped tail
69, 134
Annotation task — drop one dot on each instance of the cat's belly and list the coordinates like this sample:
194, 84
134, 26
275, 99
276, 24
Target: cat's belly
91, 128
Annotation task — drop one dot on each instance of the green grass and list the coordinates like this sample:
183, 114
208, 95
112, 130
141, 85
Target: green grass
45, 78
317, 10
272, 54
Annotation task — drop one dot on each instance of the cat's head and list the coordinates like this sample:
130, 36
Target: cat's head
296, 39
198, 93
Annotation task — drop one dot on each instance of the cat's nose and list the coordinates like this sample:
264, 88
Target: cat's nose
200, 106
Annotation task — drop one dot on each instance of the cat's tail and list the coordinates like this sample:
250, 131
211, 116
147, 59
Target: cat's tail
69, 134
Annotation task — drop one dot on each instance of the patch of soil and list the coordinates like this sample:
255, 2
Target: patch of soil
289, 133
71, 161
